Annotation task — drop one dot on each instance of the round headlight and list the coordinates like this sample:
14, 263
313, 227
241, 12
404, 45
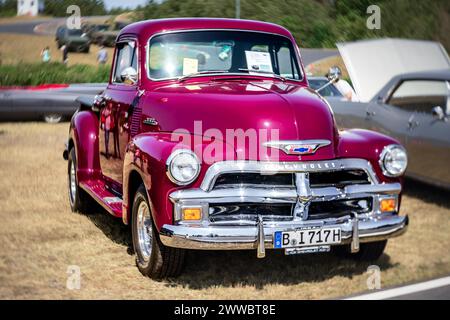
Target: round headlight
183, 167
393, 160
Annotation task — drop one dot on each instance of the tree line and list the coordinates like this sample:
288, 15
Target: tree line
314, 23
322, 23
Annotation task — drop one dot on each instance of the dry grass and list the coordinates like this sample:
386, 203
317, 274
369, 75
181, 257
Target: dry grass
23, 48
40, 237
320, 68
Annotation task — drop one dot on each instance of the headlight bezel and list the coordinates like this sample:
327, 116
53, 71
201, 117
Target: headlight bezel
389, 149
170, 164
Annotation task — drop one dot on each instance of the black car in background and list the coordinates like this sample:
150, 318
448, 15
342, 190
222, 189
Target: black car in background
75, 39
49, 103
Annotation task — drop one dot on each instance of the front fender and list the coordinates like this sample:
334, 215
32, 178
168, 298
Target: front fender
84, 136
147, 155
365, 144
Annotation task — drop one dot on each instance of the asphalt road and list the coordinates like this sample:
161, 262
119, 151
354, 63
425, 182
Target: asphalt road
26, 27
437, 289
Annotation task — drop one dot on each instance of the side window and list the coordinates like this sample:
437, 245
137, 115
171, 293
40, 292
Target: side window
283, 60
420, 95
286, 65
126, 56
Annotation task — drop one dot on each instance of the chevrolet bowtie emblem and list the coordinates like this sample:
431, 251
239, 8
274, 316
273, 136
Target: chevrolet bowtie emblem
301, 147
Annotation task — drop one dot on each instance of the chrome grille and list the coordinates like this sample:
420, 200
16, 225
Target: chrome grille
337, 179
242, 191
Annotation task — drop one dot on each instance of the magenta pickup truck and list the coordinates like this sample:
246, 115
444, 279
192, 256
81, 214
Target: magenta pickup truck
209, 137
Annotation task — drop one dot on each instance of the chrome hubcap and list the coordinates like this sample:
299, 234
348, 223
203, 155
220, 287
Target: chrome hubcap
72, 182
53, 118
144, 231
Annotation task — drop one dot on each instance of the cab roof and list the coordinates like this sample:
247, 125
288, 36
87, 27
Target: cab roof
145, 29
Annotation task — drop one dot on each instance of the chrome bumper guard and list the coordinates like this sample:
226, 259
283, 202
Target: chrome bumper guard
239, 235
260, 237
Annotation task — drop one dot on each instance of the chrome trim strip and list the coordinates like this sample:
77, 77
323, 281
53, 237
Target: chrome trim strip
268, 194
218, 168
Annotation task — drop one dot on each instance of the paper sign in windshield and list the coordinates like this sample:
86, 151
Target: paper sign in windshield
190, 66
258, 61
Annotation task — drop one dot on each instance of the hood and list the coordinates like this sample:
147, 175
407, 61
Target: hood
372, 63
290, 111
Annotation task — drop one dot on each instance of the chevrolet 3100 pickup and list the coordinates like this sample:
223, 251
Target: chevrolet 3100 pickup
209, 137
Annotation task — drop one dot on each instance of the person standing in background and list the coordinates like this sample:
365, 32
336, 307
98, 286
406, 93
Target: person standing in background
45, 54
102, 56
342, 85
65, 54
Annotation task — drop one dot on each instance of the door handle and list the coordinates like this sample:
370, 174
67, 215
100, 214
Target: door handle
412, 124
370, 113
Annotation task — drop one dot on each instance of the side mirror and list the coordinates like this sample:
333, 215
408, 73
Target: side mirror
129, 75
332, 79
438, 113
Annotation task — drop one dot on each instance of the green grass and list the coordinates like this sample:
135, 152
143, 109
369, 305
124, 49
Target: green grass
40, 73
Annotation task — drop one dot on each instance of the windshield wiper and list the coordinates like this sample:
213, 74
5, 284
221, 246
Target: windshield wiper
180, 79
264, 72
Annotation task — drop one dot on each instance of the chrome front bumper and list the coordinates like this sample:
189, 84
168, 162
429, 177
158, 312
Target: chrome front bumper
353, 230
244, 234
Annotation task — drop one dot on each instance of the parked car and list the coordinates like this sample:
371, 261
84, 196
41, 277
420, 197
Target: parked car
107, 37
405, 93
90, 29
74, 39
51, 103
144, 149
326, 89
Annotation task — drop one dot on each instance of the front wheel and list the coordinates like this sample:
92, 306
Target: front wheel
53, 118
79, 200
153, 259
370, 251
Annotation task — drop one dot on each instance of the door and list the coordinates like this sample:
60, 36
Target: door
117, 114
428, 141
350, 114
5, 106
389, 119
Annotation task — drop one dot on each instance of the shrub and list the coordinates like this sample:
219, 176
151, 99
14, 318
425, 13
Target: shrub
40, 73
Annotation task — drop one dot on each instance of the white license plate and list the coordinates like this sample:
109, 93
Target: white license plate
307, 237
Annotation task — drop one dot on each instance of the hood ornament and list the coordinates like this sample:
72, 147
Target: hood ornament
298, 147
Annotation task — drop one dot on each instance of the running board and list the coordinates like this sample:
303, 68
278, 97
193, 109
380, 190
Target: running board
97, 189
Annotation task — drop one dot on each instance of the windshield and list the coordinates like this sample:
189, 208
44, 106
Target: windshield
74, 32
185, 53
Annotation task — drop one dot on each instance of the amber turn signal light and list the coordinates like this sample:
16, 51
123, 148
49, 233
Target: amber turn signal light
192, 213
388, 205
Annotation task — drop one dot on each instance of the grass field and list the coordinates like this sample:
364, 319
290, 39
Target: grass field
20, 48
40, 237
